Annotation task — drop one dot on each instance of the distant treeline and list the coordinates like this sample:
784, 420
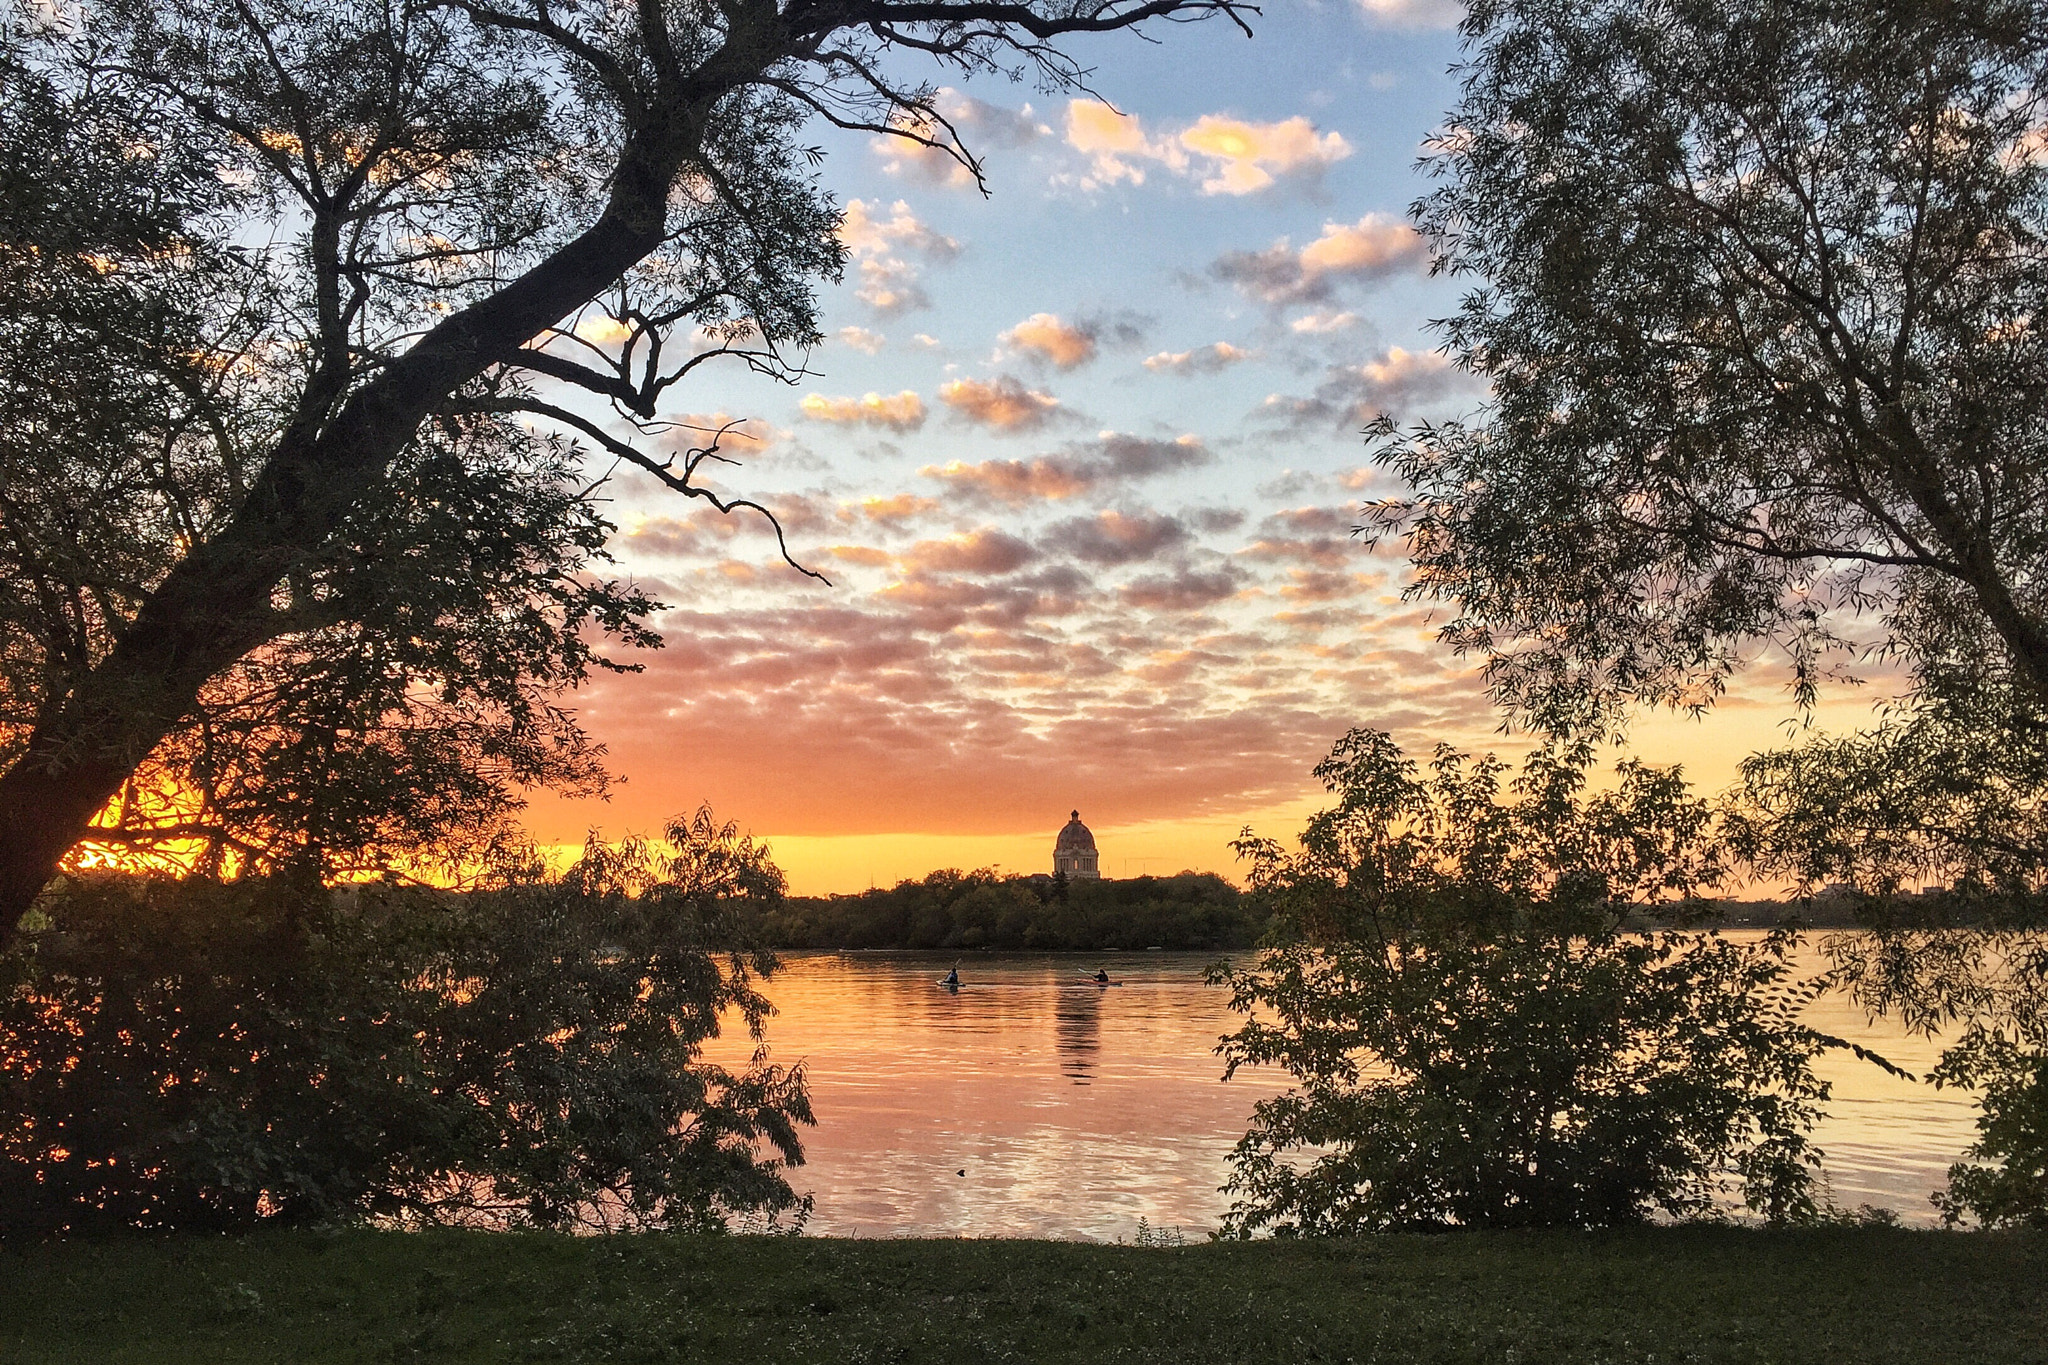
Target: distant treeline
984, 909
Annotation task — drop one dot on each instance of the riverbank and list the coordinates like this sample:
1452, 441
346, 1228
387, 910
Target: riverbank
1668, 1294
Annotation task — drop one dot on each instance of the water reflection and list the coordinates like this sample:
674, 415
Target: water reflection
1074, 1111
1077, 1025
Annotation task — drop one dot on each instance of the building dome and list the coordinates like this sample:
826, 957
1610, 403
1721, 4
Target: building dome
1075, 838
1074, 851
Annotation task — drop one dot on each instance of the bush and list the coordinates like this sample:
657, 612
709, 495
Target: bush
1474, 1040
188, 1054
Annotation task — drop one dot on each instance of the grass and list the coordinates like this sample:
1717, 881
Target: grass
1842, 1296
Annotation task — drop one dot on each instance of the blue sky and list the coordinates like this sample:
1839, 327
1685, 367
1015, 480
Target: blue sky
1081, 458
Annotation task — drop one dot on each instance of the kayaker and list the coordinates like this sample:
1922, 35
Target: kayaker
952, 978
1102, 976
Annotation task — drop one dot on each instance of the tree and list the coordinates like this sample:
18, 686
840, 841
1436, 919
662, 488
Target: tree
1757, 287
187, 1053
341, 265
1474, 1037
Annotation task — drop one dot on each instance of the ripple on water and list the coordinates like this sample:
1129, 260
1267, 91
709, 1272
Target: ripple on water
1076, 1110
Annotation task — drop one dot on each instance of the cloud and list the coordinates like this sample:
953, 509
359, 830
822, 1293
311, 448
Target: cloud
1014, 482
866, 234
861, 339
899, 412
1373, 248
1391, 384
1112, 141
1414, 14
1002, 403
1232, 156
666, 537
1065, 345
1136, 457
880, 245
979, 125
1317, 324
1210, 359
1184, 589
1247, 156
734, 435
867, 555
1113, 458
1316, 537
1111, 538
1326, 585
891, 510
987, 552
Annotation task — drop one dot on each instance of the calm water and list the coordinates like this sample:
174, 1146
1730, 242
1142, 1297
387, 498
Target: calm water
1073, 1111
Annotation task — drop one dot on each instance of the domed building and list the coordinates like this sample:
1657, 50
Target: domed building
1074, 852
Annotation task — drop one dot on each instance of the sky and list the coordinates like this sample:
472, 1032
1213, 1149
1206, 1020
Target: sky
1082, 459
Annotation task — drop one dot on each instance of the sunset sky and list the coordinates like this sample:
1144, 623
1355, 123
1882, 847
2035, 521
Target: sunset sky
1081, 459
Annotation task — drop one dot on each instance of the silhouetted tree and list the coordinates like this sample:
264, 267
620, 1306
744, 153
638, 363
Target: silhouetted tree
275, 519
1758, 288
1475, 1039
194, 1054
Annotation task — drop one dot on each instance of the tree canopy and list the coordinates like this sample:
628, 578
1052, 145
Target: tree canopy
1757, 286
1473, 1037
309, 309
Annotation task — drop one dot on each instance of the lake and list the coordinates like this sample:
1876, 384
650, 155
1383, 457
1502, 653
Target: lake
1031, 1103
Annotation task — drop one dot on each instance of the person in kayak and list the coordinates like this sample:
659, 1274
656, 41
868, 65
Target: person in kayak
952, 978
1102, 976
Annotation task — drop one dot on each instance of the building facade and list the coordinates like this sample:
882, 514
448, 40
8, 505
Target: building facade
1074, 852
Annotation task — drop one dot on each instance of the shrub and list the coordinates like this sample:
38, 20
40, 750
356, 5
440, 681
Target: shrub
201, 1055
1475, 1040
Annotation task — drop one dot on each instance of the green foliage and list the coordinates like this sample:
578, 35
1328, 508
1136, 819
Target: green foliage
983, 909
396, 703
189, 1054
310, 312
1475, 1041
1988, 989
1755, 286
2010, 1188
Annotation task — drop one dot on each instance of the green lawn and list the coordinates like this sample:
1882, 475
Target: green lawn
1664, 1295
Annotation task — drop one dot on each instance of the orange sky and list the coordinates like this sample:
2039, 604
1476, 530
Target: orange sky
1082, 459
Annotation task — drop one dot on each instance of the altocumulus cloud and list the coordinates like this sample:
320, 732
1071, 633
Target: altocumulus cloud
1114, 537
1232, 156
1392, 384
861, 339
880, 246
978, 124
1214, 358
1112, 458
1002, 403
899, 412
1183, 589
986, 551
1064, 344
1414, 14
1373, 248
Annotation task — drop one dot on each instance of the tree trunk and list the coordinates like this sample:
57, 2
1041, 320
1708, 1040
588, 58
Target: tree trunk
215, 605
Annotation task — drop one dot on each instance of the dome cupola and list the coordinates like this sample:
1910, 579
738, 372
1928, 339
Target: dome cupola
1074, 851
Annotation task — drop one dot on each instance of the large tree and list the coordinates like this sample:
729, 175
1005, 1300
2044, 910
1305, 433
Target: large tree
1758, 286
288, 286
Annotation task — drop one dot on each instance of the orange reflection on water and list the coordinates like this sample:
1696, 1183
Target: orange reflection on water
1074, 1110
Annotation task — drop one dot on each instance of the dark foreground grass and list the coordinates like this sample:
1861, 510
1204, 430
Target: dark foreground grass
1664, 1295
